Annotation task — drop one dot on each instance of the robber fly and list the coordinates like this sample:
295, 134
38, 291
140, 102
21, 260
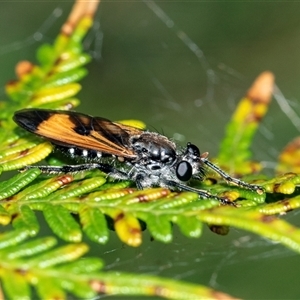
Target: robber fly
123, 152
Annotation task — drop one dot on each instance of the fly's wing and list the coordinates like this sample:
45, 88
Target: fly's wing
129, 129
75, 129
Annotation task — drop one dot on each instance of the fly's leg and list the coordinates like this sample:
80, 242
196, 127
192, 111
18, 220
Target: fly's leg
106, 168
201, 193
252, 187
138, 181
70, 168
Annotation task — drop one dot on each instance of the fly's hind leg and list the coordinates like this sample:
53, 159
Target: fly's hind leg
69, 168
106, 168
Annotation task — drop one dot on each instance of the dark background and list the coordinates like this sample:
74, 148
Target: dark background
144, 70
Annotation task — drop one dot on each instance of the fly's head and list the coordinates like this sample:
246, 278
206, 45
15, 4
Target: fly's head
190, 164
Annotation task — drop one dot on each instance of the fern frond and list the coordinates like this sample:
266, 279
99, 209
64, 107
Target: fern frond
56, 272
93, 202
235, 152
51, 84
86, 204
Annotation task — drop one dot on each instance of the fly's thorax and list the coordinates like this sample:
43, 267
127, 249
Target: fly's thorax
154, 147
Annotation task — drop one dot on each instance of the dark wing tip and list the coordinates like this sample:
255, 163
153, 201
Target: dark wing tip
30, 119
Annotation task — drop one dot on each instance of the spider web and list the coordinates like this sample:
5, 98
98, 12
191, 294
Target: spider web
182, 68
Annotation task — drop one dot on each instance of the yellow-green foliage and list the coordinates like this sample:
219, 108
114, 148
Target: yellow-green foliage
56, 271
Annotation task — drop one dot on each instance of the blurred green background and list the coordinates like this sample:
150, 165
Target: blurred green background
182, 67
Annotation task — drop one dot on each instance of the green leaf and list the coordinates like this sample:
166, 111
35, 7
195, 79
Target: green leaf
62, 223
15, 285
94, 224
50, 288
81, 204
190, 227
58, 256
30, 248
26, 219
160, 228
15, 184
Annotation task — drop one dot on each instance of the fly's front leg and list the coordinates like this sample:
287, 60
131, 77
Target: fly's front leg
255, 188
201, 193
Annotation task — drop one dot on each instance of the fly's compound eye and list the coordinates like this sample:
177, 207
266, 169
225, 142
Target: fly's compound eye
184, 171
192, 150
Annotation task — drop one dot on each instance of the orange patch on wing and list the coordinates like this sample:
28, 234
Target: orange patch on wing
59, 129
